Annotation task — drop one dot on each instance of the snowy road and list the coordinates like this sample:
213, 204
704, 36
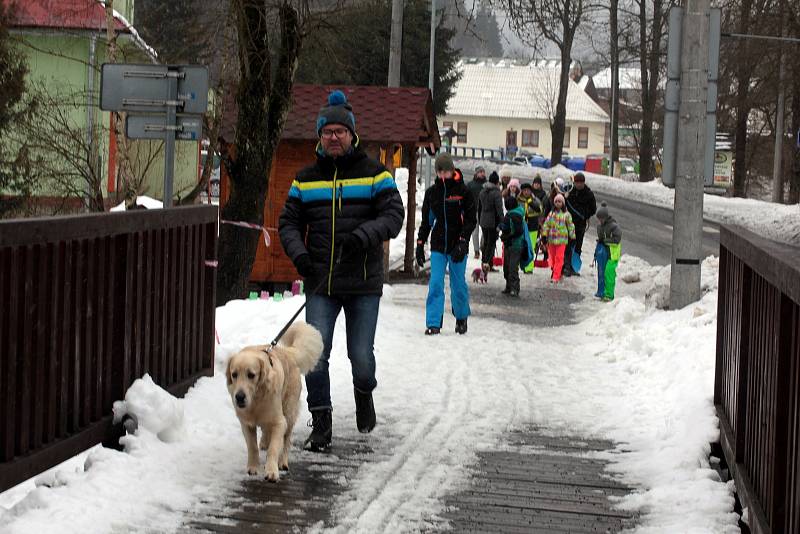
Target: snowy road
647, 230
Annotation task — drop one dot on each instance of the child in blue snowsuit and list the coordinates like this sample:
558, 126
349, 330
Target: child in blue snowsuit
607, 253
449, 217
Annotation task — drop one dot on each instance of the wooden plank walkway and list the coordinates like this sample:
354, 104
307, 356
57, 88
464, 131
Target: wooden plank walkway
539, 484
535, 484
302, 499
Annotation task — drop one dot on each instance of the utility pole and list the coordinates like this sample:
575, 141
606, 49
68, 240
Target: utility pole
433, 45
687, 226
777, 162
614, 144
396, 43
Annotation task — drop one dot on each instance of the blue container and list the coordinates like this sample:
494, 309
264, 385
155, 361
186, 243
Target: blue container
540, 161
576, 163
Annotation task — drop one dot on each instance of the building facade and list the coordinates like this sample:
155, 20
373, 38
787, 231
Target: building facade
65, 46
503, 104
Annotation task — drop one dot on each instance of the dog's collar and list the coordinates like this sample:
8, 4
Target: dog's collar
269, 356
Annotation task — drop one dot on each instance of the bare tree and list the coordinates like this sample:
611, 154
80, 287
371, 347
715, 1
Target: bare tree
651, 57
556, 22
67, 162
263, 99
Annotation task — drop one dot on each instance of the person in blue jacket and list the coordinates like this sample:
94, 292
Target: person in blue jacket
448, 217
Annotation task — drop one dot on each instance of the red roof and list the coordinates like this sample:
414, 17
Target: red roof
60, 14
383, 114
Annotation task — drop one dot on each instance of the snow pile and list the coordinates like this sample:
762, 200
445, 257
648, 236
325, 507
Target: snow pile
154, 408
397, 247
150, 487
657, 293
657, 370
142, 200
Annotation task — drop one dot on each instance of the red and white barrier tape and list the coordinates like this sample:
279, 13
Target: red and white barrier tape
252, 226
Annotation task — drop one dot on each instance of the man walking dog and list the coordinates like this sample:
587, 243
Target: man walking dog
338, 213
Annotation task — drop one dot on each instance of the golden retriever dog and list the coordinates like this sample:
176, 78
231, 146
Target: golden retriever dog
265, 390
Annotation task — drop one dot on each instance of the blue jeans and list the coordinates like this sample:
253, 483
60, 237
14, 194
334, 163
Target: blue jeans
601, 257
459, 293
361, 318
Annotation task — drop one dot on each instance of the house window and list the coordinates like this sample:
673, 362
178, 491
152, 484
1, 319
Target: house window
566, 137
462, 132
583, 137
447, 124
530, 138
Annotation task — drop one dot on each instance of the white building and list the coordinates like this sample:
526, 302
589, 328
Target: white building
500, 103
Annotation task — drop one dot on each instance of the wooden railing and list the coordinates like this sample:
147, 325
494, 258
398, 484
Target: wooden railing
88, 304
757, 384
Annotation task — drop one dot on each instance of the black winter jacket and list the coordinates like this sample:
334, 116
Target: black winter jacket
352, 194
491, 204
581, 205
448, 214
475, 186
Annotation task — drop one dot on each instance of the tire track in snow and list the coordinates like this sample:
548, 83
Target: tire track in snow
430, 474
402, 455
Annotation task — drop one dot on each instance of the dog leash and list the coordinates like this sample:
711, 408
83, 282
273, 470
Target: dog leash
277, 339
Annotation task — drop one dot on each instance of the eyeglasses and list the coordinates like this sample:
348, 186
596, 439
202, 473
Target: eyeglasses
338, 132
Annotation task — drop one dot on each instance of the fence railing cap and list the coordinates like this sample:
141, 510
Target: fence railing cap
778, 263
41, 230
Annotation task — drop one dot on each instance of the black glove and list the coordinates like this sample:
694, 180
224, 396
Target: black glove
460, 251
304, 265
420, 253
350, 245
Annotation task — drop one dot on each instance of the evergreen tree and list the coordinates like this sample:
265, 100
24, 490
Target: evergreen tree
479, 37
353, 49
171, 28
15, 168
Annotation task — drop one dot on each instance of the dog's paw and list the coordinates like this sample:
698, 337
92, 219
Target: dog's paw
272, 475
252, 469
284, 467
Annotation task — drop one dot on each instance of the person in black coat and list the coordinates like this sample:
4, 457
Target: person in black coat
490, 215
448, 217
339, 212
475, 186
582, 205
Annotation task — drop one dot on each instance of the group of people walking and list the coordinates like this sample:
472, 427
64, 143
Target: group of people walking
333, 228
525, 218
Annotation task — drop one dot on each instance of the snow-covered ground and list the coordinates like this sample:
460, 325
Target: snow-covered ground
778, 222
627, 372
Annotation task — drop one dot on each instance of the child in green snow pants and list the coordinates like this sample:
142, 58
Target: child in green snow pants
534, 235
607, 253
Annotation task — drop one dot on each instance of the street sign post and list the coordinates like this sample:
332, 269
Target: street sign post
187, 128
162, 101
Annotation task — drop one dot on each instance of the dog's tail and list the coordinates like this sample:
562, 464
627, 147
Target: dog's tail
304, 344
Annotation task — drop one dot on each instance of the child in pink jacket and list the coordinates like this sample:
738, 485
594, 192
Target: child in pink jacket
557, 229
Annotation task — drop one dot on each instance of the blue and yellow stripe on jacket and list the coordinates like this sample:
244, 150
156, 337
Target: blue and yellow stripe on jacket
346, 188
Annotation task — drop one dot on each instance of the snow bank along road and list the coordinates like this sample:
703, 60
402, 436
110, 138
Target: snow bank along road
647, 230
623, 372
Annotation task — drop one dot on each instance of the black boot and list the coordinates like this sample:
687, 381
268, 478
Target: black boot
461, 326
365, 411
321, 431
432, 331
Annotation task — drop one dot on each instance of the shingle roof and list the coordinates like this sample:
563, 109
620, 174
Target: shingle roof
383, 114
60, 15
502, 89
629, 78
72, 15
